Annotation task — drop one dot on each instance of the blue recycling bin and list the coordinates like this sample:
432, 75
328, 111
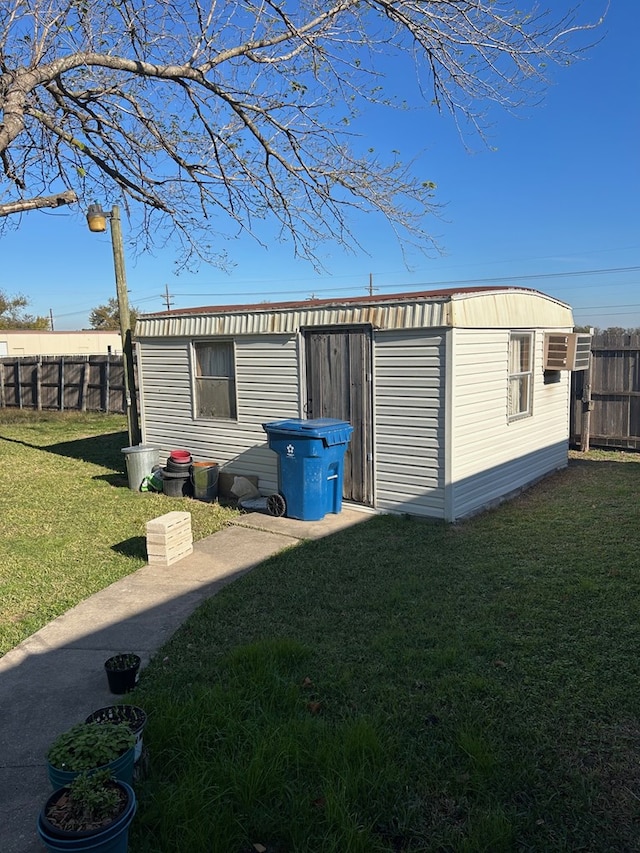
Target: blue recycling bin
310, 464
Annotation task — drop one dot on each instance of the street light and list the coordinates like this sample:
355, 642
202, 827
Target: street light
97, 222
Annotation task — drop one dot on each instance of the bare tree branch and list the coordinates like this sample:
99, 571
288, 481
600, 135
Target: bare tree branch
198, 115
21, 205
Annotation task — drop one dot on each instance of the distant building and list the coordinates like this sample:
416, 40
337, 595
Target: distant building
19, 342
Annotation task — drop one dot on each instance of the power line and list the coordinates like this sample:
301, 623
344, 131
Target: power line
431, 285
577, 314
248, 293
434, 284
598, 307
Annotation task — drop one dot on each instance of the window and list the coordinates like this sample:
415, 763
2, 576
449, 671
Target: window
215, 379
520, 374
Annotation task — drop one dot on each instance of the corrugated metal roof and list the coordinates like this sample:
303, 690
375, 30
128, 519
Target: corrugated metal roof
487, 306
511, 309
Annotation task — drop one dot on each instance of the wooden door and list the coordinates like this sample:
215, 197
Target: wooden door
339, 385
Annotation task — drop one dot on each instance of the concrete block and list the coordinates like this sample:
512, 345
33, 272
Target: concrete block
171, 558
169, 538
157, 549
176, 535
167, 522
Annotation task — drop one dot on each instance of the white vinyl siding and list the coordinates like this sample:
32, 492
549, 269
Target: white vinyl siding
409, 428
267, 388
490, 456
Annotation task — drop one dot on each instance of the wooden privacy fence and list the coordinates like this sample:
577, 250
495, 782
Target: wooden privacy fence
92, 383
612, 418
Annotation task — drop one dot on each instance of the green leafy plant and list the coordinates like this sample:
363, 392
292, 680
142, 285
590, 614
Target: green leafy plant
86, 746
92, 801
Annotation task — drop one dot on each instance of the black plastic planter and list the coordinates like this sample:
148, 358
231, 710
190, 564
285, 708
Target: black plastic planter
177, 484
122, 672
178, 467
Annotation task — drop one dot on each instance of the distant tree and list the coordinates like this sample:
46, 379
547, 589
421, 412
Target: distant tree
210, 116
108, 316
12, 314
614, 330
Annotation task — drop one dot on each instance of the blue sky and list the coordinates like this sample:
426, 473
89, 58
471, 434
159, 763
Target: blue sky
554, 206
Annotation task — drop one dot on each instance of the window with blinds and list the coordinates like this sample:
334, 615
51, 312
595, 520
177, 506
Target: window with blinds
215, 383
520, 375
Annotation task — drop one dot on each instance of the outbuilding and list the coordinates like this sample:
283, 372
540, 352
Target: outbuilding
458, 398
30, 342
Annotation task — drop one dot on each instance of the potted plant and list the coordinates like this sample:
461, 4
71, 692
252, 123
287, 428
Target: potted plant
90, 747
122, 672
133, 716
93, 813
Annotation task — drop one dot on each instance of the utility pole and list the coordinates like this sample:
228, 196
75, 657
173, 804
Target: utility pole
371, 287
51, 318
167, 297
97, 222
125, 327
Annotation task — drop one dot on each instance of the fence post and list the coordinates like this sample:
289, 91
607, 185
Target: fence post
18, 374
85, 385
107, 384
587, 405
62, 383
39, 383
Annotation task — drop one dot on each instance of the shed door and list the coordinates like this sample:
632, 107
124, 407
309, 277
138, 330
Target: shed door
339, 372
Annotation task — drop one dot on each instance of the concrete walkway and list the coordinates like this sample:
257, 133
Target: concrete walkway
56, 677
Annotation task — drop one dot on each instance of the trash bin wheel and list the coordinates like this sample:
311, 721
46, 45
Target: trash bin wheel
276, 505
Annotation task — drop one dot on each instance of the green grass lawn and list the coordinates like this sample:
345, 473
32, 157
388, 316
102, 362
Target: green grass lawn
69, 525
412, 686
400, 686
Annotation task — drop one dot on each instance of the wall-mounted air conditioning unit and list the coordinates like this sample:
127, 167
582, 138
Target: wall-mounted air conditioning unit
566, 351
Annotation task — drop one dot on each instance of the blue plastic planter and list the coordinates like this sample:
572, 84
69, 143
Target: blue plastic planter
113, 839
121, 769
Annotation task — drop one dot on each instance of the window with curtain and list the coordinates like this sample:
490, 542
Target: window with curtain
520, 374
215, 383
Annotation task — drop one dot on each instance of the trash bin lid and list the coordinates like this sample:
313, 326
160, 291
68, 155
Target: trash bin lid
331, 430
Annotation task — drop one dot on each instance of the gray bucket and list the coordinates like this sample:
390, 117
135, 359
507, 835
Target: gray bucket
204, 476
141, 461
